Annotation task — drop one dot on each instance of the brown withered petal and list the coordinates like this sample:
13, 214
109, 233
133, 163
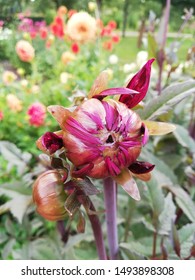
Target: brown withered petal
100, 84
59, 113
81, 222
85, 186
128, 184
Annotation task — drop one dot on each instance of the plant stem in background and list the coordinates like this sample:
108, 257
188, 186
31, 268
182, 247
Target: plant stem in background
161, 53
63, 231
97, 231
111, 217
192, 120
154, 245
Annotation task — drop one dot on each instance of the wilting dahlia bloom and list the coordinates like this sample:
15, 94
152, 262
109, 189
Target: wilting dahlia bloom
104, 137
37, 114
25, 51
81, 27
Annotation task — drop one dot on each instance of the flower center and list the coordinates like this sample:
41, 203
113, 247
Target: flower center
109, 139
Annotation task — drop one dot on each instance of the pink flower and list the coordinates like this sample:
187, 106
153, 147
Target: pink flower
75, 48
112, 24
37, 114
115, 38
104, 138
1, 23
25, 51
107, 134
43, 33
1, 115
140, 83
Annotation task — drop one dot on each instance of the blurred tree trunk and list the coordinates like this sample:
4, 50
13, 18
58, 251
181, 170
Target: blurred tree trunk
125, 16
141, 33
99, 7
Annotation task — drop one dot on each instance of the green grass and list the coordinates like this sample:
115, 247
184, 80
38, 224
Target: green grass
127, 49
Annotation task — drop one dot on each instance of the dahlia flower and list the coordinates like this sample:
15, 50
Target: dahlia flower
8, 77
25, 51
1, 115
104, 137
37, 114
14, 103
67, 57
81, 27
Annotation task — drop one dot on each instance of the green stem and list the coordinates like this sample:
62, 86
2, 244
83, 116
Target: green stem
130, 209
111, 217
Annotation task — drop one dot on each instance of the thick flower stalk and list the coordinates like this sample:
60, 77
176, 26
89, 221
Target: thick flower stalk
103, 138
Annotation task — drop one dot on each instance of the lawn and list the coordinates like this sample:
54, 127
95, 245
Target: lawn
127, 49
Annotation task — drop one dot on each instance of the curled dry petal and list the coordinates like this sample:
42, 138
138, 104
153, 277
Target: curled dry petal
100, 84
144, 177
159, 128
49, 196
115, 91
141, 167
128, 184
140, 83
59, 113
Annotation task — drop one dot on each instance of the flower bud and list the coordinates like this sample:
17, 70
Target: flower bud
49, 196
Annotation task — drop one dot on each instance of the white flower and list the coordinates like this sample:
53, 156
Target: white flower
113, 59
64, 77
129, 67
35, 89
141, 58
24, 83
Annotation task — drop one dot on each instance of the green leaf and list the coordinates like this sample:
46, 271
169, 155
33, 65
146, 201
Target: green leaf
155, 196
186, 239
141, 246
39, 250
169, 97
18, 202
17, 206
167, 216
184, 201
184, 139
162, 171
14, 156
8, 248
129, 254
152, 45
19, 187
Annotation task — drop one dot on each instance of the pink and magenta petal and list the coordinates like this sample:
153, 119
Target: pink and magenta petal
52, 142
139, 83
115, 91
